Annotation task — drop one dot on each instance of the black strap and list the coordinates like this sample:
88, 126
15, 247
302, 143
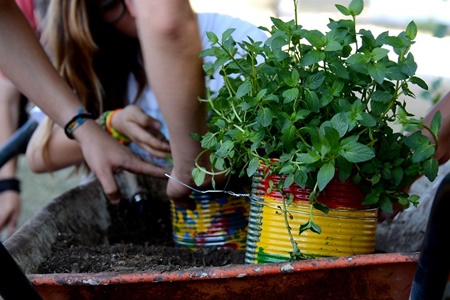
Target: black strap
75, 122
11, 184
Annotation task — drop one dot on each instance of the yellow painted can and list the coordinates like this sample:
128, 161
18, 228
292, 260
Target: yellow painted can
345, 230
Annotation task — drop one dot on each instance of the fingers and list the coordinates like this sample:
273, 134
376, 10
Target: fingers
109, 185
132, 164
106, 157
152, 144
143, 167
142, 130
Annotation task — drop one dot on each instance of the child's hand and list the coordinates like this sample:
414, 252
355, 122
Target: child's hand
142, 129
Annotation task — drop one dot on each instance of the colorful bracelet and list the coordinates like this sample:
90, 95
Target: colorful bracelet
76, 122
11, 184
102, 119
114, 133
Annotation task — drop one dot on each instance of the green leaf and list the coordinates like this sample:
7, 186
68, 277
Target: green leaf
290, 95
409, 66
370, 199
252, 166
386, 205
209, 140
213, 39
422, 153
315, 37
333, 46
225, 149
227, 33
431, 169
261, 94
325, 174
300, 178
311, 226
198, 176
379, 53
243, 89
411, 31
416, 140
288, 180
356, 152
356, 7
339, 70
436, 123
312, 101
395, 42
312, 57
331, 136
344, 10
367, 120
321, 207
286, 169
358, 59
397, 174
315, 81
264, 117
418, 81
377, 71
340, 123
288, 137
395, 73
308, 158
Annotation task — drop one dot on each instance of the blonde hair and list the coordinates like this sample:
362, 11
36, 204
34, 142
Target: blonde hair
73, 36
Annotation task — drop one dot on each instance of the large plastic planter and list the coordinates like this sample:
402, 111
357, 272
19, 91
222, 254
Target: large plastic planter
83, 211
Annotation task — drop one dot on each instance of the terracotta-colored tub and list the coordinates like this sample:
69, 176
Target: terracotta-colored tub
377, 276
83, 210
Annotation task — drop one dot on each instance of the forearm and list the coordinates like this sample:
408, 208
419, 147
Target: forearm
9, 119
25, 63
171, 48
60, 151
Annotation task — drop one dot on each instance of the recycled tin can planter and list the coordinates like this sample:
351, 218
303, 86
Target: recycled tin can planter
219, 220
349, 228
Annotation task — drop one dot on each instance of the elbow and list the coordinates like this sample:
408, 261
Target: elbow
35, 161
167, 24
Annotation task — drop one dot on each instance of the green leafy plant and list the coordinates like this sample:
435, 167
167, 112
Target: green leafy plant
323, 104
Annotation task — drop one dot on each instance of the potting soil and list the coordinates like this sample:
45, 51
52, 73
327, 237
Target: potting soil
139, 239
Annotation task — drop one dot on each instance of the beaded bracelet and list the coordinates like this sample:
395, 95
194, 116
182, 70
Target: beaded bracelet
76, 122
114, 133
102, 119
11, 184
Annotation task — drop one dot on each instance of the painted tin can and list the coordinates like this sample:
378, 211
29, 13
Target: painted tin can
349, 228
219, 220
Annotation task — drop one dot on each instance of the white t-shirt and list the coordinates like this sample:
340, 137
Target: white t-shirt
208, 22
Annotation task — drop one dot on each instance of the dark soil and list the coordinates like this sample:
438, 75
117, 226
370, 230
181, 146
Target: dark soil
139, 239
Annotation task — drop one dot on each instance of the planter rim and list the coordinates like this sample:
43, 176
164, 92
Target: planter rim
230, 271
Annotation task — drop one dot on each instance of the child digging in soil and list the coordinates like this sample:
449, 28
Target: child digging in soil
101, 59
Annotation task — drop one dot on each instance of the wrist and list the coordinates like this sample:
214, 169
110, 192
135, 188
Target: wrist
79, 119
105, 122
9, 184
111, 130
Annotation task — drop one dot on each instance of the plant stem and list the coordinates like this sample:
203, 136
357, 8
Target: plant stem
295, 250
